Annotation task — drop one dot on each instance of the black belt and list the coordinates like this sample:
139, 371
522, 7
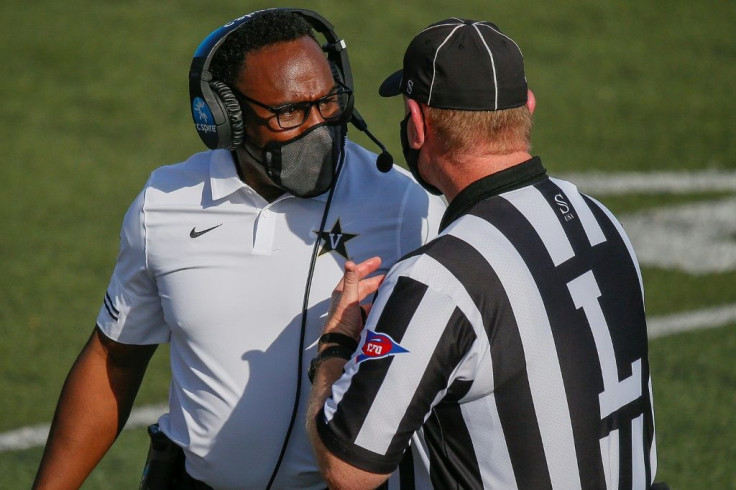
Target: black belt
191, 483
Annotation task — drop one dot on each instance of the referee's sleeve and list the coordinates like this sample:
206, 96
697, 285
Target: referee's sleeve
420, 219
403, 367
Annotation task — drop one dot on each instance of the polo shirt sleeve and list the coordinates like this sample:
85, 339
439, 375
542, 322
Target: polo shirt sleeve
415, 354
131, 311
421, 217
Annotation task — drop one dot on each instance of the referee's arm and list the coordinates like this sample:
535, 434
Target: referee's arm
345, 317
336, 472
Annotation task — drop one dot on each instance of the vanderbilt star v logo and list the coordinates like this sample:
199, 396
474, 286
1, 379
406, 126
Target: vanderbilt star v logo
334, 240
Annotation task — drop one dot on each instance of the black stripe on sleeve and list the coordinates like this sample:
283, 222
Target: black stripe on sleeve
112, 305
111, 310
340, 434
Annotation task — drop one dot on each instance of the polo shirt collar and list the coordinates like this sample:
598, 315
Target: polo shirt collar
521, 175
224, 179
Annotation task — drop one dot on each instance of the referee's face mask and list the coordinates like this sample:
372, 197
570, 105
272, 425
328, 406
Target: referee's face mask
412, 157
304, 165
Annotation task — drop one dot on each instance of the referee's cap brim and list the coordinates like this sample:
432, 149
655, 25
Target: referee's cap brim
391, 87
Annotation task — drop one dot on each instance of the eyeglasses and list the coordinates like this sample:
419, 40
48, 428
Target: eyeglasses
289, 116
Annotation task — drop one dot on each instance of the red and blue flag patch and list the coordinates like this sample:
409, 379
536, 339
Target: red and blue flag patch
378, 346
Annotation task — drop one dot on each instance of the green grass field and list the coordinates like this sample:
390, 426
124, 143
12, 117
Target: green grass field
95, 96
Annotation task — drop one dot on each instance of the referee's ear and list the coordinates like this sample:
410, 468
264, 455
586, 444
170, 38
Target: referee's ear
531, 101
416, 130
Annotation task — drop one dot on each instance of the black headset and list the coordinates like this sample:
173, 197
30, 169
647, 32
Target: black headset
216, 111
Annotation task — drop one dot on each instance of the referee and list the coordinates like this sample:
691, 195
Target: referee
511, 351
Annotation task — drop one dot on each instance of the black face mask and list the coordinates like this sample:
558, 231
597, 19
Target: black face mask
304, 165
412, 158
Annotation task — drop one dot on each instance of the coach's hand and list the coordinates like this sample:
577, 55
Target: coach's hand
345, 315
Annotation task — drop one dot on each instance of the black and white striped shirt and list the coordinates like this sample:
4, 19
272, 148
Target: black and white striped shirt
510, 352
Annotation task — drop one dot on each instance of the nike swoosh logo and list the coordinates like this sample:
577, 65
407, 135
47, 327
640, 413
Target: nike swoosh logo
194, 233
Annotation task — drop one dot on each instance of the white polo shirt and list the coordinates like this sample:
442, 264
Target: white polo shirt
210, 266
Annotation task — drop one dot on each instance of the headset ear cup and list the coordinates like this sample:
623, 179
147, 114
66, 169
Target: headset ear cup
234, 113
337, 74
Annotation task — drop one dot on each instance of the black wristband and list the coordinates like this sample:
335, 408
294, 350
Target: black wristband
332, 351
340, 339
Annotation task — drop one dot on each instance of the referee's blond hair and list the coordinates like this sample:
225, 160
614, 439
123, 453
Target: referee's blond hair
499, 132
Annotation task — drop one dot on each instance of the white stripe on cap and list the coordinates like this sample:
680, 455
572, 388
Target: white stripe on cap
460, 23
434, 62
435, 26
493, 65
504, 35
500, 34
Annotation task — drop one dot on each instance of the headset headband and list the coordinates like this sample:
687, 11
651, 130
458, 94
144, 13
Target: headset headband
217, 119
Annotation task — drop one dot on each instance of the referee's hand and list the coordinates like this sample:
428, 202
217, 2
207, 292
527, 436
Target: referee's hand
345, 314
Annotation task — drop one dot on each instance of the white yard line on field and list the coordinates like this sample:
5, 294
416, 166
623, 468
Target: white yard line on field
659, 326
35, 435
600, 183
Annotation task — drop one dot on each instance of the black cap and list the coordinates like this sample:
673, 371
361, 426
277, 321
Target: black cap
461, 64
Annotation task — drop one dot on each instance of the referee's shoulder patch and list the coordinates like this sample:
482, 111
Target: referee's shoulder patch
377, 346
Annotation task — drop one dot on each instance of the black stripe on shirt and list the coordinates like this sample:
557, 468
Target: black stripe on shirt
513, 394
625, 316
406, 470
453, 461
577, 353
455, 341
457, 449
575, 346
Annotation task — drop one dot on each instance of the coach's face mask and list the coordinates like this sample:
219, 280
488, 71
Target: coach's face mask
305, 165
412, 158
